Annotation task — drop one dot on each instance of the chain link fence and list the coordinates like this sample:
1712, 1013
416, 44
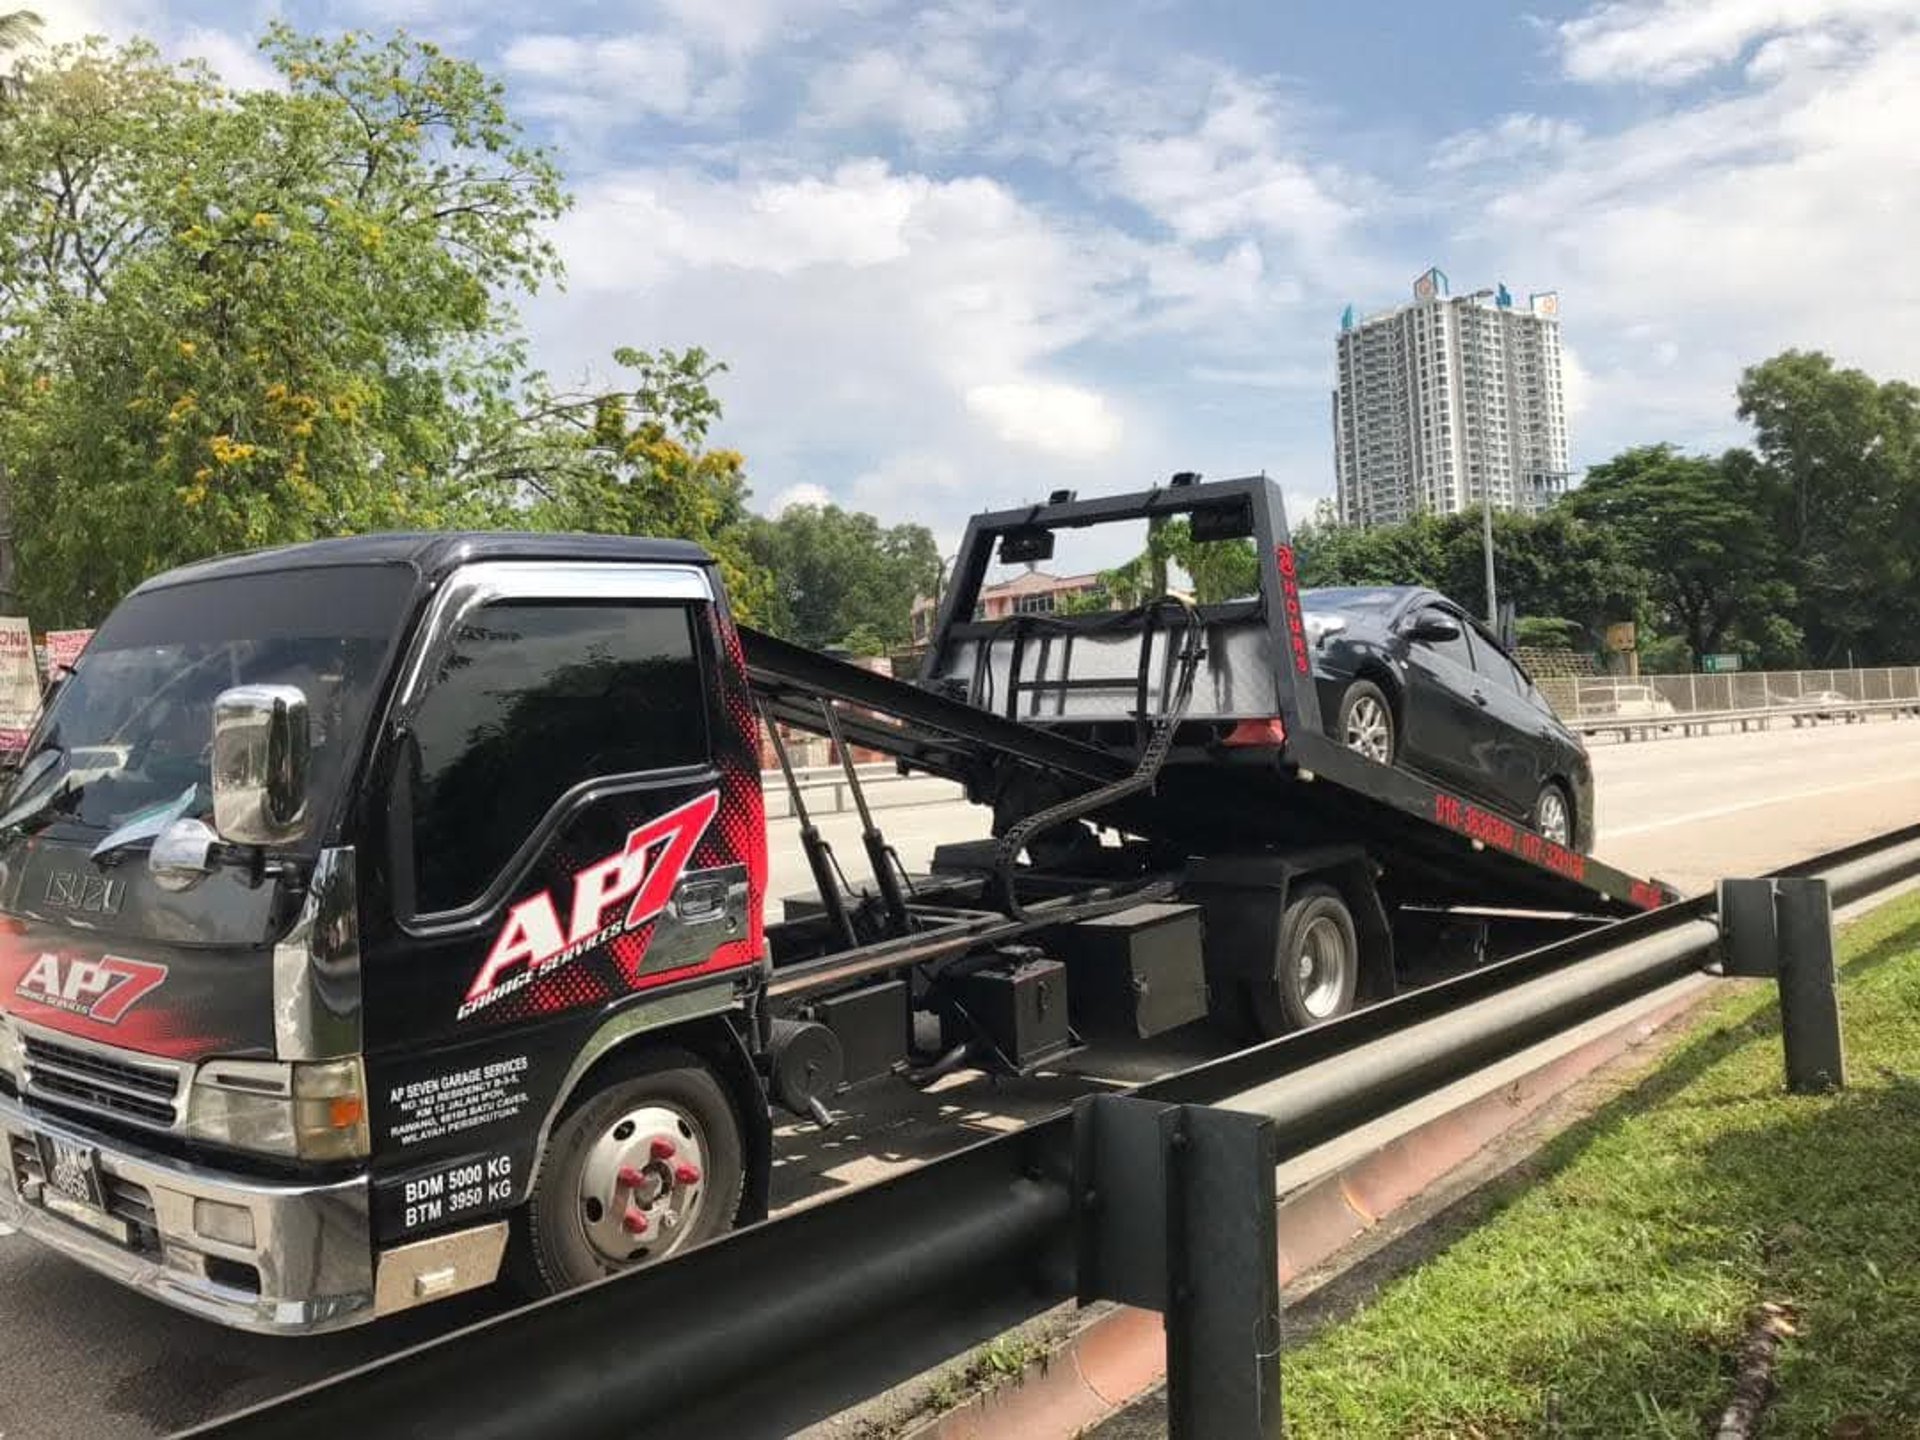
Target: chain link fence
1652, 697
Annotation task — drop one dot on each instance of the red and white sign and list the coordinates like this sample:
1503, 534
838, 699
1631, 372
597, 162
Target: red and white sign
63, 648
19, 683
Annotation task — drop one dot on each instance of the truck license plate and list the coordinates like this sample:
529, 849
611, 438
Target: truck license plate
73, 1174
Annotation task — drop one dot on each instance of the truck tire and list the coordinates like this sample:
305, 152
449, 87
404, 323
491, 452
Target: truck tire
1316, 967
647, 1166
1365, 722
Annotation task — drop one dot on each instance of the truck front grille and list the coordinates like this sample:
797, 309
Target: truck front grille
145, 1092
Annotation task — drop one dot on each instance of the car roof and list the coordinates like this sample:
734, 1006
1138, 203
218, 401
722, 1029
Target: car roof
434, 552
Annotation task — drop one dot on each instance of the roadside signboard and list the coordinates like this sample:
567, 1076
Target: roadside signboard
19, 684
63, 648
1719, 664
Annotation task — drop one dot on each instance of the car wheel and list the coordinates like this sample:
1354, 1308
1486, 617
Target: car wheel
1365, 723
1553, 813
647, 1167
1316, 967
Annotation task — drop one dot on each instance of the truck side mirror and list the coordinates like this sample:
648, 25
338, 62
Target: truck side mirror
261, 749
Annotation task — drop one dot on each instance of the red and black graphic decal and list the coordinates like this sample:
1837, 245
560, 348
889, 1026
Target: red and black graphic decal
1503, 834
1290, 601
101, 990
585, 940
635, 883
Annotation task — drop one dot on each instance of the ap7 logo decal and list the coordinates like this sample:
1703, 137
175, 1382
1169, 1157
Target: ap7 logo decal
102, 990
640, 875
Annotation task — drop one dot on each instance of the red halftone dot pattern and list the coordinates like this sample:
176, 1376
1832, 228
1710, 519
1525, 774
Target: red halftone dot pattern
736, 836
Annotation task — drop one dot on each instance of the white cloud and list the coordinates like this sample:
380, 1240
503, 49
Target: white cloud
1773, 212
1232, 171
801, 494
1665, 42
592, 80
880, 87
1052, 418
236, 61
883, 329
1514, 136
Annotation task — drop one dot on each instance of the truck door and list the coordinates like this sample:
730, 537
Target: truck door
573, 825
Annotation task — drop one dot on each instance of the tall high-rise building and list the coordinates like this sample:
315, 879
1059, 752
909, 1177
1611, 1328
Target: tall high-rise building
1448, 399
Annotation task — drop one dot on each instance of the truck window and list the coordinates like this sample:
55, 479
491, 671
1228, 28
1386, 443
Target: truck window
531, 699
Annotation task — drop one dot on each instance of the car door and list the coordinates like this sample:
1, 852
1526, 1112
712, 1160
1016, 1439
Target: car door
1448, 732
1520, 750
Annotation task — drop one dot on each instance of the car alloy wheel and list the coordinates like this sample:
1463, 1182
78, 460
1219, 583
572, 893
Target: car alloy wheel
1553, 817
1368, 728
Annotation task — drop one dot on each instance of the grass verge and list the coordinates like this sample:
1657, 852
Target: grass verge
1608, 1293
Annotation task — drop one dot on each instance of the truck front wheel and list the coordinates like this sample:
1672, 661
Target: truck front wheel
647, 1166
1317, 967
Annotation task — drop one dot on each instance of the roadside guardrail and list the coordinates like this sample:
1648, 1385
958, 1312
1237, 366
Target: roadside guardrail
787, 1322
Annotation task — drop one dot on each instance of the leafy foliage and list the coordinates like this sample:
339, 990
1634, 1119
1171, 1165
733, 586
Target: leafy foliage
1557, 564
230, 320
840, 577
1837, 475
1690, 525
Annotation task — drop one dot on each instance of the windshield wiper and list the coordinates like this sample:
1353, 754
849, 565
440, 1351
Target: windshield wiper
143, 828
41, 802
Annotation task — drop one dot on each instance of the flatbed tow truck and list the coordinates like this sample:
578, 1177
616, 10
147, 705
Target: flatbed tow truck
380, 916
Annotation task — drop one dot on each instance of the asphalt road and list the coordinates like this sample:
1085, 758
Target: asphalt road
83, 1358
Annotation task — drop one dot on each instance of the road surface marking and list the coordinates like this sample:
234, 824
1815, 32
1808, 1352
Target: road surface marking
1718, 812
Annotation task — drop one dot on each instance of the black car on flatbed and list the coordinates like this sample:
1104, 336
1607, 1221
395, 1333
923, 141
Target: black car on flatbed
1406, 677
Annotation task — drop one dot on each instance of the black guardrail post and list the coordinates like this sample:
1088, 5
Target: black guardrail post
1782, 929
1175, 1213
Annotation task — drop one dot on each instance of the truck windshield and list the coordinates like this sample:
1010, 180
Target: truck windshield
132, 728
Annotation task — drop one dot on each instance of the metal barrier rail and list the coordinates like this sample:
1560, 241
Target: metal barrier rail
1646, 726
787, 1322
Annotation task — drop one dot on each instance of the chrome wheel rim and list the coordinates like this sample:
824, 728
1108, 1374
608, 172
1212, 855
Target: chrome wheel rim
1370, 729
642, 1186
1320, 967
1553, 820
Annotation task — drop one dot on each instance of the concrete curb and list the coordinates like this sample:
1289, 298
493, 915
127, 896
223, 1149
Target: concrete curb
1120, 1353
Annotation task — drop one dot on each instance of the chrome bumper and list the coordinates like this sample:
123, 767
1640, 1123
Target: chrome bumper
309, 1266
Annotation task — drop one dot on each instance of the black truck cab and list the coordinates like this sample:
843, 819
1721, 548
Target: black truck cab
341, 882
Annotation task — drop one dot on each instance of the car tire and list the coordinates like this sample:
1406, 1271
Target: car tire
1553, 814
1316, 964
670, 1119
1365, 723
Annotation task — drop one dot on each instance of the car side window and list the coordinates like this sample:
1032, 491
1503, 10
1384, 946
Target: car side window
1459, 650
1498, 667
532, 698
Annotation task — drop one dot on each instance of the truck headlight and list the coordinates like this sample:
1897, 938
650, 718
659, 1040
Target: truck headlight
305, 1111
13, 1052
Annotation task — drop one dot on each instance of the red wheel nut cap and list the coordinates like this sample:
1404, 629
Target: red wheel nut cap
662, 1149
687, 1174
634, 1223
630, 1177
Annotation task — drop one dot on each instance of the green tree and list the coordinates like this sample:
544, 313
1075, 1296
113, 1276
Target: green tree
840, 577
230, 320
17, 27
629, 461
1837, 472
1690, 524
1552, 566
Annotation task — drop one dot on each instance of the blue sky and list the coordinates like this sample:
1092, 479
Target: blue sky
964, 253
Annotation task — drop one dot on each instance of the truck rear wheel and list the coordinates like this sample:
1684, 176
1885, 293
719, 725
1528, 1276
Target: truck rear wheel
1316, 965
644, 1168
